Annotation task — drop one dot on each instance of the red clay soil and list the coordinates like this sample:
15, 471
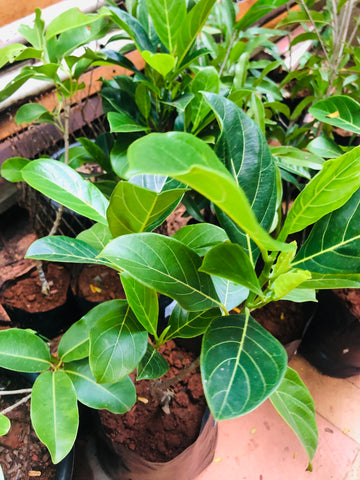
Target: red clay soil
146, 428
351, 297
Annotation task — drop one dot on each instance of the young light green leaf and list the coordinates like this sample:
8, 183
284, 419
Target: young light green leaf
327, 191
186, 324
333, 245
228, 260
301, 295
165, 265
286, 282
163, 63
4, 425
143, 302
54, 413
23, 351
168, 17
235, 349
97, 236
152, 365
11, 169
121, 122
118, 397
192, 161
324, 147
201, 237
117, 343
294, 403
10, 52
207, 79
69, 19
64, 249
340, 111
33, 112
135, 209
64, 185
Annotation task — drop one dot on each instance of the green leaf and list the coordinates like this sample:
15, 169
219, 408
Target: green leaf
152, 365
299, 158
117, 397
328, 190
332, 281
186, 324
206, 79
69, 19
231, 294
165, 265
23, 351
286, 282
192, 161
191, 27
64, 249
97, 236
201, 237
324, 147
300, 295
340, 111
11, 169
257, 11
333, 246
117, 343
121, 122
143, 100
135, 209
4, 425
96, 153
54, 413
10, 53
168, 17
34, 35
245, 153
33, 112
61, 183
143, 302
241, 365
228, 260
294, 403
163, 63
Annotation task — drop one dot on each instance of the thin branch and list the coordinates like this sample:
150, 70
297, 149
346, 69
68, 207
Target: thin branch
228, 51
15, 392
165, 384
17, 404
316, 30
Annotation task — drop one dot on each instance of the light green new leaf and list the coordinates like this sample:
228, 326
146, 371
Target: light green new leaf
117, 343
286, 282
135, 209
294, 403
207, 79
340, 111
54, 413
117, 398
4, 425
121, 122
143, 302
10, 52
186, 324
333, 246
23, 351
97, 236
324, 147
11, 169
201, 237
64, 185
69, 19
152, 365
228, 260
192, 161
301, 295
241, 365
327, 191
167, 17
165, 265
33, 112
161, 62
64, 249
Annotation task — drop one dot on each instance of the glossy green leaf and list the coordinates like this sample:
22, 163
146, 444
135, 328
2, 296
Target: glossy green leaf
186, 324
157, 183
121, 122
10, 52
241, 365
97, 236
324, 147
230, 294
4, 425
294, 403
135, 209
228, 260
165, 265
340, 111
33, 112
333, 246
117, 343
67, 20
23, 351
143, 100
257, 11
191, 27
11, 169
297, 157
96, 153
117, 397
332, 281
163, 63
207, 79
192, 161
201, 237
244, 151
54, 413
143, 302
328, 190
64, 249
152, 365
168, 17
64, 185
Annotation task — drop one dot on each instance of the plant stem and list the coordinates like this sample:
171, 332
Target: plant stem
165, 384
45, 287
228, 51
17, 404
15, 392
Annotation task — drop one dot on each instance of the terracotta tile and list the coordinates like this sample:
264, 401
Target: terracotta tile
260, 446
337, 400
355, 381
354, 473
